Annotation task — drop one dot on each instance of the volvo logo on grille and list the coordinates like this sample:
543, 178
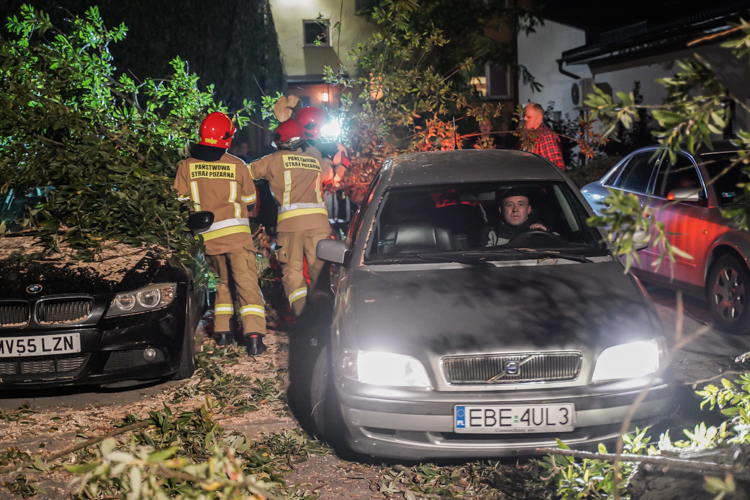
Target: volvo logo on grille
512, 368
34, 288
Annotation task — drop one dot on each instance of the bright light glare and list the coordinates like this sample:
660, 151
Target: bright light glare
380, 368
633, 360
331, 130
324, 97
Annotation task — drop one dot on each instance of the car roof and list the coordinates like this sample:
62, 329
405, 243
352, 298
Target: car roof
473, 165
720, 148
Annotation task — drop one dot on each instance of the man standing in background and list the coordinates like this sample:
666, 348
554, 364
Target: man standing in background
541, 140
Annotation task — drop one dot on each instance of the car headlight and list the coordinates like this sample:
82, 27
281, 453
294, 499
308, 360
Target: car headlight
382, 368
633, 360
146, 299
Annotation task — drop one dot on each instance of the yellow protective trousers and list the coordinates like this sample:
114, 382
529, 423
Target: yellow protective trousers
294, 247
237, 272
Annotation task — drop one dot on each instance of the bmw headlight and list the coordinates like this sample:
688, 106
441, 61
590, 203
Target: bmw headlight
633, 360
382, 368
146, 299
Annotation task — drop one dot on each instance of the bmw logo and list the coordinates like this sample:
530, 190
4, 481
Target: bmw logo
34, 288
511, 368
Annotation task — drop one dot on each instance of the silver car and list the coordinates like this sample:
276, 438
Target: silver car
458, 334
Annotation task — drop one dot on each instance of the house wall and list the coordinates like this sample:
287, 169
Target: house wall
310, 61
732, 73
539, 53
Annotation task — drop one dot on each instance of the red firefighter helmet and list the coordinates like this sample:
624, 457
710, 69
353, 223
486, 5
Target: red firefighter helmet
288, 131
312, 120
217, 130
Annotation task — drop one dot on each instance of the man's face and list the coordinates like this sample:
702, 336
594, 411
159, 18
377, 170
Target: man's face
533, 118
516, 210
485, 127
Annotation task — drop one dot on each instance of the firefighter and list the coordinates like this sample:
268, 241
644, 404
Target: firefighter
220, 183
312, 119
297, 174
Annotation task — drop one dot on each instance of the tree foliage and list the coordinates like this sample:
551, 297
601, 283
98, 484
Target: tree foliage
413, 78
107, 148
593, 478
231, 43
696, 110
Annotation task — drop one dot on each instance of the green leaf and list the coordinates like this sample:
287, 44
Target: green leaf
81, 469
162, 455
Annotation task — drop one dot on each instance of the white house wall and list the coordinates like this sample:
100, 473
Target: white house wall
539, 53
298, 60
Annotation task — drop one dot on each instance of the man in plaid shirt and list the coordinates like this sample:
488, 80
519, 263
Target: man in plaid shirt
541, 140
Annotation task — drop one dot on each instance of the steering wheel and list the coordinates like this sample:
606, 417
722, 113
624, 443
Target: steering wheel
533, 236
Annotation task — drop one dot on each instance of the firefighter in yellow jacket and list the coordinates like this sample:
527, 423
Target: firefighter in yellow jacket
296, 174
220, 183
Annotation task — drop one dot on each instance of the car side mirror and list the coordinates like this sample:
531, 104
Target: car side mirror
334, 251
200, 221
684, 194
640, 240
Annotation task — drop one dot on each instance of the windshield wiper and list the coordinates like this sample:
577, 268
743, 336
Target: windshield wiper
553, 255
468, 261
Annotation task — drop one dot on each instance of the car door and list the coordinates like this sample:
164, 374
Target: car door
683, 221
635, 178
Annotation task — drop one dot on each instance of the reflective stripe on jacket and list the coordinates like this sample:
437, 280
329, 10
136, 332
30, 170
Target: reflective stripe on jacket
296, 179
225, 188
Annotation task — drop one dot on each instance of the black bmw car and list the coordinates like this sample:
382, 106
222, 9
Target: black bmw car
68, 323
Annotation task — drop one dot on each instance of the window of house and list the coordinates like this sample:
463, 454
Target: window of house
495, 83
498, 82
316, 33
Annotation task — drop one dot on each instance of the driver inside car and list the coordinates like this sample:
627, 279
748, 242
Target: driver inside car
515, 207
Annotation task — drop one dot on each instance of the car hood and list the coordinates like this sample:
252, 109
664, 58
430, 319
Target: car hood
519, 308
86, 278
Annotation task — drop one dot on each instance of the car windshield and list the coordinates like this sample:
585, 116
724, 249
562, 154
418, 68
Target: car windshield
725, 176
16, 205
481, 219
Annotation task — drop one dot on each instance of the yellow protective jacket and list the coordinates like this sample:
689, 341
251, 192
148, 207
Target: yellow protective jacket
296, 179
225, 188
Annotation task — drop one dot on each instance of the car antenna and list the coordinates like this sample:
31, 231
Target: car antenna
455, 145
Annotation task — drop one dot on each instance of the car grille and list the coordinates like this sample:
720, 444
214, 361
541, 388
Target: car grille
14, 314
53, 312
43, 365
512, 368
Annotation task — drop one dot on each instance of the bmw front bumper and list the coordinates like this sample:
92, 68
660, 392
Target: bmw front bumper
112, 350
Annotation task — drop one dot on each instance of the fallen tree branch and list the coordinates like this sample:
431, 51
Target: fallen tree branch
688, 465
78, 446
125, 255
720, 375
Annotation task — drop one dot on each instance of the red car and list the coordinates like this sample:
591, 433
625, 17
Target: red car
690, 196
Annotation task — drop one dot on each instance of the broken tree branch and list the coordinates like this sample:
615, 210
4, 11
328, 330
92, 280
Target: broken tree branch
78, 446
688, 465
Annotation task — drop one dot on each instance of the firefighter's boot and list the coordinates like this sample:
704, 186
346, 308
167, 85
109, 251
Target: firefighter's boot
254, 344
224, 338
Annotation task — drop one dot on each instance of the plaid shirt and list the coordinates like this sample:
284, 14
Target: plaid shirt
547, 144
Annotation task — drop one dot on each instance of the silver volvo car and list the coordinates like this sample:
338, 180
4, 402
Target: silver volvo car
477, 315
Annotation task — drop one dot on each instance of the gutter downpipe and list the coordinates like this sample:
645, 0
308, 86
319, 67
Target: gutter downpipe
560, 63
